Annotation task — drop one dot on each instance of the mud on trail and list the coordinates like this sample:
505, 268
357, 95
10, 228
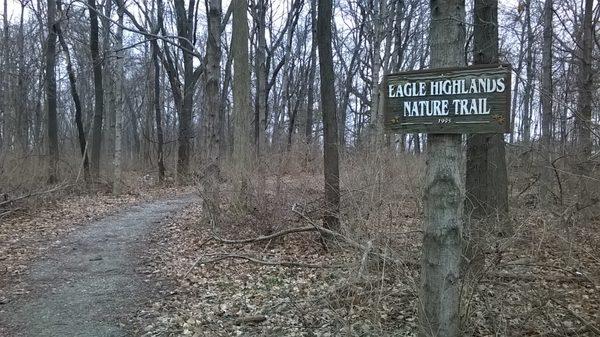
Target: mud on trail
90, 285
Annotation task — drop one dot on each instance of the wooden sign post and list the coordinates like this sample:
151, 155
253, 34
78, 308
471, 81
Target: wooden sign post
472, 99
445, 103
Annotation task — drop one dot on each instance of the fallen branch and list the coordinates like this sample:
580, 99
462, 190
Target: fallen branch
8, 212
267, 237
353, 243
289, 264
54, 189
533, 278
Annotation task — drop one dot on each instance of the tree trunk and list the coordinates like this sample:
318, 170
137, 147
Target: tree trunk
185, 34
3, 81
376, 119
515, 96
51, 95
243, 116
98, 93
225, 146
312, 72
545, 192
261, 79
156, 97
21, 127
528, 90
486, 176
443, 198
119, 106
331, 168
213, 79
75, 97
584, 107
108, 82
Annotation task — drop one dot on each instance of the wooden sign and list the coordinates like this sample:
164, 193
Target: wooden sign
472, 99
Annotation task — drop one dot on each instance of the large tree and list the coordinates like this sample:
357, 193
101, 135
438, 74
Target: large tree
51, 94
242, 113
98, 92
486, 175
331, 169
584, 105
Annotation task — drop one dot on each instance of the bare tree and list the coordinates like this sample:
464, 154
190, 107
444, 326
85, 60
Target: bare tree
243, 116
584, 103
260, 119
75, 96
528, 90
486, 176
546, 101
331, 169
119, 106
213, 79
51, 95
98, 92
311, 77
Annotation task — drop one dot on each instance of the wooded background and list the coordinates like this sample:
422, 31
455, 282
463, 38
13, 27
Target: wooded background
94, 89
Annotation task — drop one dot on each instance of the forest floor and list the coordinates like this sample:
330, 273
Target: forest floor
157, 265
542, 281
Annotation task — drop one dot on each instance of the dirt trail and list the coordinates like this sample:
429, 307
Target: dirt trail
89, 285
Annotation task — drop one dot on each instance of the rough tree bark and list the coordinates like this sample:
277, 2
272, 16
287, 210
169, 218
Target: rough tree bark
119, 106
185, 32
528, 89
546, 101
242, 112
213, 79
331, 168
376, 23
75, 97
3, 79
20, 104
51, 95
157, 95
312, 72
584, 106
444, 195
486, 209
98, 93
260, 120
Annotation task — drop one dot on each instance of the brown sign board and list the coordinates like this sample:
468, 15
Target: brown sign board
473, 99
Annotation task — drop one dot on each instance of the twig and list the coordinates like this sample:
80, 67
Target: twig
537, 177
198, 260
363, 262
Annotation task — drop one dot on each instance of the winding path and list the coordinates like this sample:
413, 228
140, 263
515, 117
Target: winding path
89, 285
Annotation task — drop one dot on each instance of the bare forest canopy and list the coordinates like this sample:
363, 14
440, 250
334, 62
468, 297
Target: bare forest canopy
154, 64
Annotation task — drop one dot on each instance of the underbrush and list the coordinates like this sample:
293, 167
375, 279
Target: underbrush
237, 276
